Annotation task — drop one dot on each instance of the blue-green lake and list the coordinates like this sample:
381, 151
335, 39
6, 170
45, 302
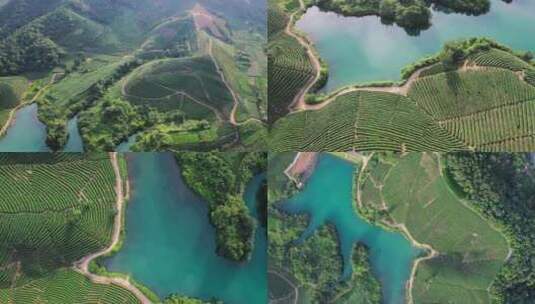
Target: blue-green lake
362, 49
28, 134
127, 144
327, 197
170, 244
74, 142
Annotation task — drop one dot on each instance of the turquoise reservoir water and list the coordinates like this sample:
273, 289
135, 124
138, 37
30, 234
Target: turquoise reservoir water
170, 244
362, 49
327, 198
127, 144
28, 134
74, 143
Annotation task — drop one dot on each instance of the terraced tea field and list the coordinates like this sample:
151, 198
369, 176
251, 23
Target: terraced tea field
193, 84
487, 104
67, 286
468, 251
289, 67
362, 120
54, 210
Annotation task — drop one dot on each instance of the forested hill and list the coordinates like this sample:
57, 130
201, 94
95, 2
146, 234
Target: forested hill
36, 34
412, 15
89, 58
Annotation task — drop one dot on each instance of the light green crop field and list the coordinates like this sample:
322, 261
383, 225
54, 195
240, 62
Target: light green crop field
54, 209
238, 78
470, 250
11, 92
163, 79
489, 105
500, 59
67, 286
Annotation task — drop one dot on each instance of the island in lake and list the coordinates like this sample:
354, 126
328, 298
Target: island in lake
335, 82
384, 227
133, 228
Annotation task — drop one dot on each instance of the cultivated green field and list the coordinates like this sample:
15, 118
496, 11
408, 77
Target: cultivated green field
193, 80
245, 73
362, 121
85, 52
470, 250
54, 210
289, 66
486, 105
66, 286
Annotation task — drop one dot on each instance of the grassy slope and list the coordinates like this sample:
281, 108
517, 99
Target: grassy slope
471, 252
175, 33
238, 79
75, 32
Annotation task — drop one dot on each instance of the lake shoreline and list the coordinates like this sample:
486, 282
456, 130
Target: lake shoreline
386, 63
359, 231
11, 119
170, 246
82, 266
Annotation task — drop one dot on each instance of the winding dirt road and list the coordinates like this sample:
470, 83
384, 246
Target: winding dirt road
299, 99
299, 103
82, 266
295, 289
400, 90
235, 99
432, 252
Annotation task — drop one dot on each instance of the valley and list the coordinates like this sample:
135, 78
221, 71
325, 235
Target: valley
132, 228
123, 69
